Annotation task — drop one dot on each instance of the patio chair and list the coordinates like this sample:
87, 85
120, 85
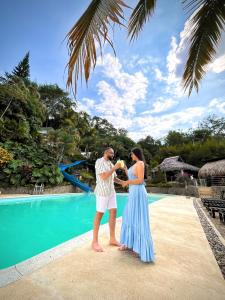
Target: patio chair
38, 189
222, 214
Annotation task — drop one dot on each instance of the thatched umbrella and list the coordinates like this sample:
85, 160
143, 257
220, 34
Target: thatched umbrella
174, 163
215, 168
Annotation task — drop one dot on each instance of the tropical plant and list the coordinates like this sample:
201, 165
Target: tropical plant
206, 24
5, 157
12, 173
50, 175
87, 177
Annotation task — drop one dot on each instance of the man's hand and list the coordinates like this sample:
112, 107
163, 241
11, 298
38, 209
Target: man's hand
117, 166
125, 167
106, 175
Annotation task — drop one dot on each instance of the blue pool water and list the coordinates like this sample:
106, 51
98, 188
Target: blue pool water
30, 225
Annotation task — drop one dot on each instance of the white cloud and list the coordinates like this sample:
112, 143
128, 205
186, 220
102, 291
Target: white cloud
176, 60
159, 76
144, 62
161, 105
159, 125
175, 64
218, 105
86, 105
123, 92
218, 65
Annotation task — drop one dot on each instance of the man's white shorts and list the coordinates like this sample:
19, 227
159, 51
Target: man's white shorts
103, 203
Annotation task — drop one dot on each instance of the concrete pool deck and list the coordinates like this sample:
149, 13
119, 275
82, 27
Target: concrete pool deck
185, 266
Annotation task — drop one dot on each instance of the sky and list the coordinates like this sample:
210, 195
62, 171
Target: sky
139, 89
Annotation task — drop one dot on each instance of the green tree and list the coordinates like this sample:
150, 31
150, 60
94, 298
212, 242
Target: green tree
214, 125
175, 138
150, 147
22, 70
63, 143
199, 135
20, 108
57, 103
103, 127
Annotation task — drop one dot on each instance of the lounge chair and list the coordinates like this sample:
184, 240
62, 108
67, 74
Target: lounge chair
216, 204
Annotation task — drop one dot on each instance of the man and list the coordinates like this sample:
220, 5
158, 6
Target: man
105, 196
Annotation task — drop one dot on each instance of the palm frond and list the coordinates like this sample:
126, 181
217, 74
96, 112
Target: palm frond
206, 26
140, 15
191, 6
91, 28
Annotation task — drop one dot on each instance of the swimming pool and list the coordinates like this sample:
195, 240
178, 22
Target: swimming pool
31, 225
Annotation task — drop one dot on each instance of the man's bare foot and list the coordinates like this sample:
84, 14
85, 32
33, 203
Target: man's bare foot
96, 247
114, 243
123, 248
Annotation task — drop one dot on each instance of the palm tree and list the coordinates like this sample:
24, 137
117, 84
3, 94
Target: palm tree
207, 20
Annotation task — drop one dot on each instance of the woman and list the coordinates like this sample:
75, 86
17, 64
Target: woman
135, 231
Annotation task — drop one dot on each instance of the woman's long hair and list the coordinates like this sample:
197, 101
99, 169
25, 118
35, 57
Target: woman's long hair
139, 153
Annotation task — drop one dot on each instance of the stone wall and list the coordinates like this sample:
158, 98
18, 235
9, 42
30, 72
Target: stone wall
190, 191
14, 190
218, 189
62, 189
50, 190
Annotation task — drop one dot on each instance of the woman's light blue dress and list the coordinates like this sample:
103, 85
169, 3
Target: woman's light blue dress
135, 230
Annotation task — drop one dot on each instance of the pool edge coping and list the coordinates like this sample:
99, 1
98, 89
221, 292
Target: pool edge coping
61, 194
18, 271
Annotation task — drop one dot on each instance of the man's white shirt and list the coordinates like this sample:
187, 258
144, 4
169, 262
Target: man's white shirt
105, 187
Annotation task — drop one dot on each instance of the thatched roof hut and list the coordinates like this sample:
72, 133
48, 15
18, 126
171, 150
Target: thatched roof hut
214, 168
175, 163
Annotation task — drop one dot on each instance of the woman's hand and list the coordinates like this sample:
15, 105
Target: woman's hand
125, 183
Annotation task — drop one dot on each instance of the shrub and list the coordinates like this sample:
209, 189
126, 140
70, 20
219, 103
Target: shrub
161, 184
159, 177
183, 178
5, 157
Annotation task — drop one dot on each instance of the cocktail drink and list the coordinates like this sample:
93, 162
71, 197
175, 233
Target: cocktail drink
121, 162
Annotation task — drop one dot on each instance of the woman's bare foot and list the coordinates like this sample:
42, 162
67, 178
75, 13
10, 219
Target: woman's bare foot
123, 248
114, 242
96, 247
135, 254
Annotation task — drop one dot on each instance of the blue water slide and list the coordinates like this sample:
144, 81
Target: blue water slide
72, 179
